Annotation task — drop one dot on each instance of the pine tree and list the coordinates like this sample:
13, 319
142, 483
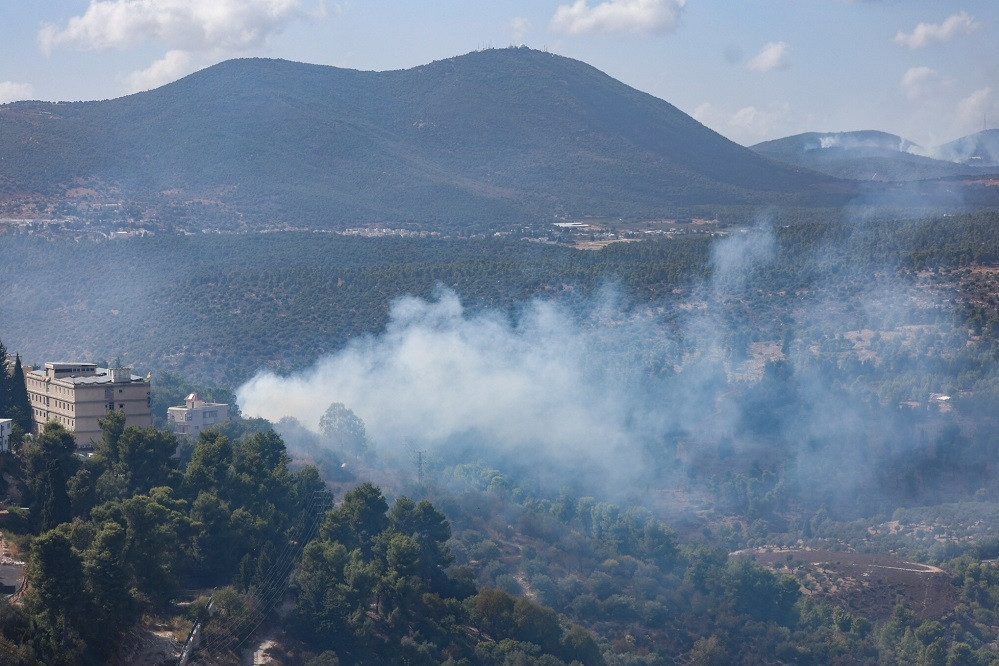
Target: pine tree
5, 384
20, 404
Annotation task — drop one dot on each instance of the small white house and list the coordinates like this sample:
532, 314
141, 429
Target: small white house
196, 415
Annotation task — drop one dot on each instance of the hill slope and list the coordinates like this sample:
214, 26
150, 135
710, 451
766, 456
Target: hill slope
488, 136
981, 148
864, 155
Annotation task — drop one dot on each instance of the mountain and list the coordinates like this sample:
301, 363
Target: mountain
498, 135
865, 155
979, 149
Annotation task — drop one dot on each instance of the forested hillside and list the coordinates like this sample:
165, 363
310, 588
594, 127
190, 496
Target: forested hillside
819, 397
218, 308
873, 156
484, 140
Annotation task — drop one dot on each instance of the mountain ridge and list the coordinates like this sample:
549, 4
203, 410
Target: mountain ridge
881, 156
503, 134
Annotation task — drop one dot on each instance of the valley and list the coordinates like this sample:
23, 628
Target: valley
525, 366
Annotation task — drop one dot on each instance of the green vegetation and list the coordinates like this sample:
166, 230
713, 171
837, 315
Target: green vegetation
131, 528
477, 141
14, 402
830, 367
216, 309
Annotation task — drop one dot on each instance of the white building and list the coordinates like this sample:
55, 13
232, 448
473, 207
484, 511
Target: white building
5, 432
78, 394
196, 415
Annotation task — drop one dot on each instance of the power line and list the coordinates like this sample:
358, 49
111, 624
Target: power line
275, 582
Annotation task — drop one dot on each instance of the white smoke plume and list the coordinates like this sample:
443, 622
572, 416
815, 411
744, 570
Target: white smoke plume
633, 395
439, 372
12, 91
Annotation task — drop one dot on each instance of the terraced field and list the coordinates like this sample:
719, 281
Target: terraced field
868, 583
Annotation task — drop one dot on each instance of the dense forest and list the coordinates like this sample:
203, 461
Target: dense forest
795, 461
219, 308
228, 529
477, 141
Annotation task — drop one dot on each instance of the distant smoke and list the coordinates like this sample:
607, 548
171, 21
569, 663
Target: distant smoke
864, 142
570, 385
610, 387
545, 382
11, 91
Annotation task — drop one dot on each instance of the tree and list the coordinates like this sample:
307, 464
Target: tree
537, 624
130, 460
54, 600
358, 520
430, 529
760, 593
48, 465
494, 610
108, 583
20, 404
6, 394
210, 464
343, 429
323, 605
579, 645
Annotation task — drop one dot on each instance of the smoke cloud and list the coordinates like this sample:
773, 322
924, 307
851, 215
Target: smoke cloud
544, 381
11, 91
632, 395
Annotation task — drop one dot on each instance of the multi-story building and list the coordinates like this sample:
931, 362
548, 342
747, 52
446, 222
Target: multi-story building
196, 415
77, 394
5, 432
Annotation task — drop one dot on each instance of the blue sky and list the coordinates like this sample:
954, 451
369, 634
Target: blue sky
752, 70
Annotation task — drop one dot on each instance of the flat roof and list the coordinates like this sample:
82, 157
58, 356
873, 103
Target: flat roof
100, 376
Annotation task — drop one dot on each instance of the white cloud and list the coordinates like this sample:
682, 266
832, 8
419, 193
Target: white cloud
753, 121
920, 83
772, 56
927, 33
747, 125
170, 67
519, 25
637, 16
11, 91
190, 25
972, 109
